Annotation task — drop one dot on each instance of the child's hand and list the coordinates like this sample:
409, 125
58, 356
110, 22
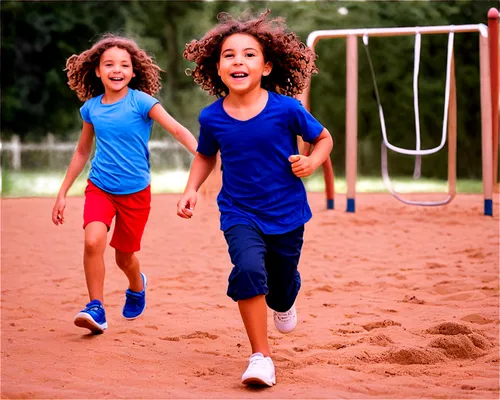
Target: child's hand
301, 165
58, 211
186, 205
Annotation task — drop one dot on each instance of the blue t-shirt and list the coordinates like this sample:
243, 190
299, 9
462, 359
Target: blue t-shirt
258, 185
122, 131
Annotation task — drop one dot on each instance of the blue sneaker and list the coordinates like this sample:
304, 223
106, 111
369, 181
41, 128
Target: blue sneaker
135, 302
93, 317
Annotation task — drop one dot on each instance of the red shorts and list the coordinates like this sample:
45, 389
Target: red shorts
131, 211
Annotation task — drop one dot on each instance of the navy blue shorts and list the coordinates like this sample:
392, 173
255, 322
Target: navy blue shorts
264, 265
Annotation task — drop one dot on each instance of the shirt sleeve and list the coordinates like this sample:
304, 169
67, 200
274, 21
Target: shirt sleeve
84, 112
207, 143
145, 103
303, 123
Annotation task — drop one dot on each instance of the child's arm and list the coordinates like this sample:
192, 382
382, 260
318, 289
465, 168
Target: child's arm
179, 132
80, 158
200, 170
304, 147
303, 166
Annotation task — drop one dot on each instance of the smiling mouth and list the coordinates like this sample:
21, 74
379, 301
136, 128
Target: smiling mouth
239, 75
116, 79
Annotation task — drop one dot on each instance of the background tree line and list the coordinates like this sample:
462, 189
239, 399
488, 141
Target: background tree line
38, 37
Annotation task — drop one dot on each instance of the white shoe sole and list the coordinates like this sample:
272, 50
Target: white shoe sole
257, 381
84, 320
285, 330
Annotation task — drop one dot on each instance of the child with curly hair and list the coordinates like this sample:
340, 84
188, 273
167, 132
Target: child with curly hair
117, 80
254, 66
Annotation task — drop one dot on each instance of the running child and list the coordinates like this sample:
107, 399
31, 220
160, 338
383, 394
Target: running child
117, 80
254, 66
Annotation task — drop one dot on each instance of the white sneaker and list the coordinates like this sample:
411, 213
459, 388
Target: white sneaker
260, 371
285, 322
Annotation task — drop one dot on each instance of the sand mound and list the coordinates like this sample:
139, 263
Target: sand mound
461, 346
449, 328
409, 356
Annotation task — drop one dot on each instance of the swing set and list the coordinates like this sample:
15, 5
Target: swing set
489, 88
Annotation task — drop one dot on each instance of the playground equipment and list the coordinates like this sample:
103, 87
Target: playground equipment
450, 107
488, 54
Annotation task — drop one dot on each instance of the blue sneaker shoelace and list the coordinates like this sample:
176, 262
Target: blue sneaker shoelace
96, 310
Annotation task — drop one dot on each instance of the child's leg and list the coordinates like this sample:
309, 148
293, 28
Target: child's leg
93, 259
129, 264
135, 295
247, 282
254, 315
93, 316
98, 212
131, 218
248, 286
282, 259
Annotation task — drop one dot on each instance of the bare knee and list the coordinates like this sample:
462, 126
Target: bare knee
94, 245
124, 260
95, 238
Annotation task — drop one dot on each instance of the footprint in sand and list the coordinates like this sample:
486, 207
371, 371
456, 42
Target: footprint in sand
476, 319
330, 346
325, 288
152, 327
200, 335
347, 331
434, 265
398, 276
171, 338
380, 324
132, 331
194, 335
447, 287
377, 340
59, 280
473, 253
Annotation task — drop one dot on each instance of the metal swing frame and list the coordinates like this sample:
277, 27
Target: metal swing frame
486, 90
449, 122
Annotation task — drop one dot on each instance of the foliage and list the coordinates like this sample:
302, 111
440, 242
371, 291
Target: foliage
38, 37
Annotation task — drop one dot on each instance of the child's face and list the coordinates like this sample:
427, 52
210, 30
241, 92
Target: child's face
115, 69
241, 64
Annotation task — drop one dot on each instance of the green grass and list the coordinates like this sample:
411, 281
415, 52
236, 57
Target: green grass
46, 184
401, 185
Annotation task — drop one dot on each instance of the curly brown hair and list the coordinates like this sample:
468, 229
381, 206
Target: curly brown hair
293, 62
81, 68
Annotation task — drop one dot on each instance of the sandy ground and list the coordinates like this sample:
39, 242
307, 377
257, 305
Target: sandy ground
397, 302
